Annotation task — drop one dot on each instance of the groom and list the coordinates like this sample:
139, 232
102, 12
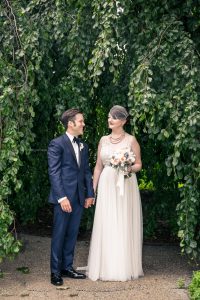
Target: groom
71, 191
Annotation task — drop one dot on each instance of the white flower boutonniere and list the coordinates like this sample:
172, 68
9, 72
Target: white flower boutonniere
81, 146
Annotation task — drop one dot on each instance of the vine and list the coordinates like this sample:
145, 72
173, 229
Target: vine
176, 124
16, 120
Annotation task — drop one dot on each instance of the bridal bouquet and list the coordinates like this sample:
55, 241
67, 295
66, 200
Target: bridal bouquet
122, 161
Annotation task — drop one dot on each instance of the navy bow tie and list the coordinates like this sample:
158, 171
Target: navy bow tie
76, 140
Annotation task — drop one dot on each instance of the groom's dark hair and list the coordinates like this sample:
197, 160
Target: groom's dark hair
69, 115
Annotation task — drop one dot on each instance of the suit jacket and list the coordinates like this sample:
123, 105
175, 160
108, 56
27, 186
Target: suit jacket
67, 178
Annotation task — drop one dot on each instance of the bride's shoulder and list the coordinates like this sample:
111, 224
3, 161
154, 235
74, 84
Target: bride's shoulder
132, 141
104, 139
130, 137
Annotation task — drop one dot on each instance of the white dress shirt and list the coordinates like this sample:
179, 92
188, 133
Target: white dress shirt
75, 146
76, 150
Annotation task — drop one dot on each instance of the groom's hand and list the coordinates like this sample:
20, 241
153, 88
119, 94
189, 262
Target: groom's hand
89, 202
65, 205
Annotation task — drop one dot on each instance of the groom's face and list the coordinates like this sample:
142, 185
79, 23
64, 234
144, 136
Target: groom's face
77, 125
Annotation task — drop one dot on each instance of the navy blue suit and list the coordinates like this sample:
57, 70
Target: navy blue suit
68, 179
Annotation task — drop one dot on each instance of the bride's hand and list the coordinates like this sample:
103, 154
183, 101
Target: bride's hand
130, 169
89, 202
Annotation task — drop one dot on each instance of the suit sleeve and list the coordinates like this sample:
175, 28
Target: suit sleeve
54, 161
88, 176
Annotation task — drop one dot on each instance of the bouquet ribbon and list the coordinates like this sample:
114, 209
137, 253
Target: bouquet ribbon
120, 182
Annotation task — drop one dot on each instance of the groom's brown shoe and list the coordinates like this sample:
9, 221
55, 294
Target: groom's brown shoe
56, 279
71, 273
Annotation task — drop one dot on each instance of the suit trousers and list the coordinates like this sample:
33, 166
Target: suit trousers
64, 236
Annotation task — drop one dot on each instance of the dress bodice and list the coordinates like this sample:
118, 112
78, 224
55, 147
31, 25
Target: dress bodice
108, 149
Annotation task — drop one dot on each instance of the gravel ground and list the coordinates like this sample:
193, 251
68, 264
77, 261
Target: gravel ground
163, 267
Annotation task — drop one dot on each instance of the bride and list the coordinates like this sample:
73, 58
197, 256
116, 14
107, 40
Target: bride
116, 243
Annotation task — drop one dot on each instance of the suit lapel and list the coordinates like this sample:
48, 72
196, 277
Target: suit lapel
67, 140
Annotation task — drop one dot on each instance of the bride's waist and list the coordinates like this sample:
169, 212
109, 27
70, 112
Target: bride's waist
107, 165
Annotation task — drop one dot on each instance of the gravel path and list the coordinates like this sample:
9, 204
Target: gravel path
163, 267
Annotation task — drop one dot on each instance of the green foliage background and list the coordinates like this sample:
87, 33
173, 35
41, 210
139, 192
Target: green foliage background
94, 54
194, 287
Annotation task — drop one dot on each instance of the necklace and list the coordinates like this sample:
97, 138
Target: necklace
118, 139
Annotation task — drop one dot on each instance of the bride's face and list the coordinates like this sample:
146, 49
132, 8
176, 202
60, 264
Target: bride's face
115, 123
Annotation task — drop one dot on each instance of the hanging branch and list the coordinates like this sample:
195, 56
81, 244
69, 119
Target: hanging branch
1, 131
13, 23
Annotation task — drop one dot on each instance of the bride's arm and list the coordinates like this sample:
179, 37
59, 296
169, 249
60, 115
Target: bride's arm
136, 150
98, 169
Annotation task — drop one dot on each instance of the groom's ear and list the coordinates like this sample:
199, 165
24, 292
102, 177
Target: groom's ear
71, 123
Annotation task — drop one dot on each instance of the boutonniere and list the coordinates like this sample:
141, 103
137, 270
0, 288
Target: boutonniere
81, 146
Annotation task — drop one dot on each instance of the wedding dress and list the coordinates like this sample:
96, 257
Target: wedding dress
116, 244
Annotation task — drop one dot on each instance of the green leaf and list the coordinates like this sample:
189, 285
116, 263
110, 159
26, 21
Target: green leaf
24, 270
193, 244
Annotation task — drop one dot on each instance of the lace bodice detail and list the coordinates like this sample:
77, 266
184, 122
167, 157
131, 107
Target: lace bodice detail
108, 149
